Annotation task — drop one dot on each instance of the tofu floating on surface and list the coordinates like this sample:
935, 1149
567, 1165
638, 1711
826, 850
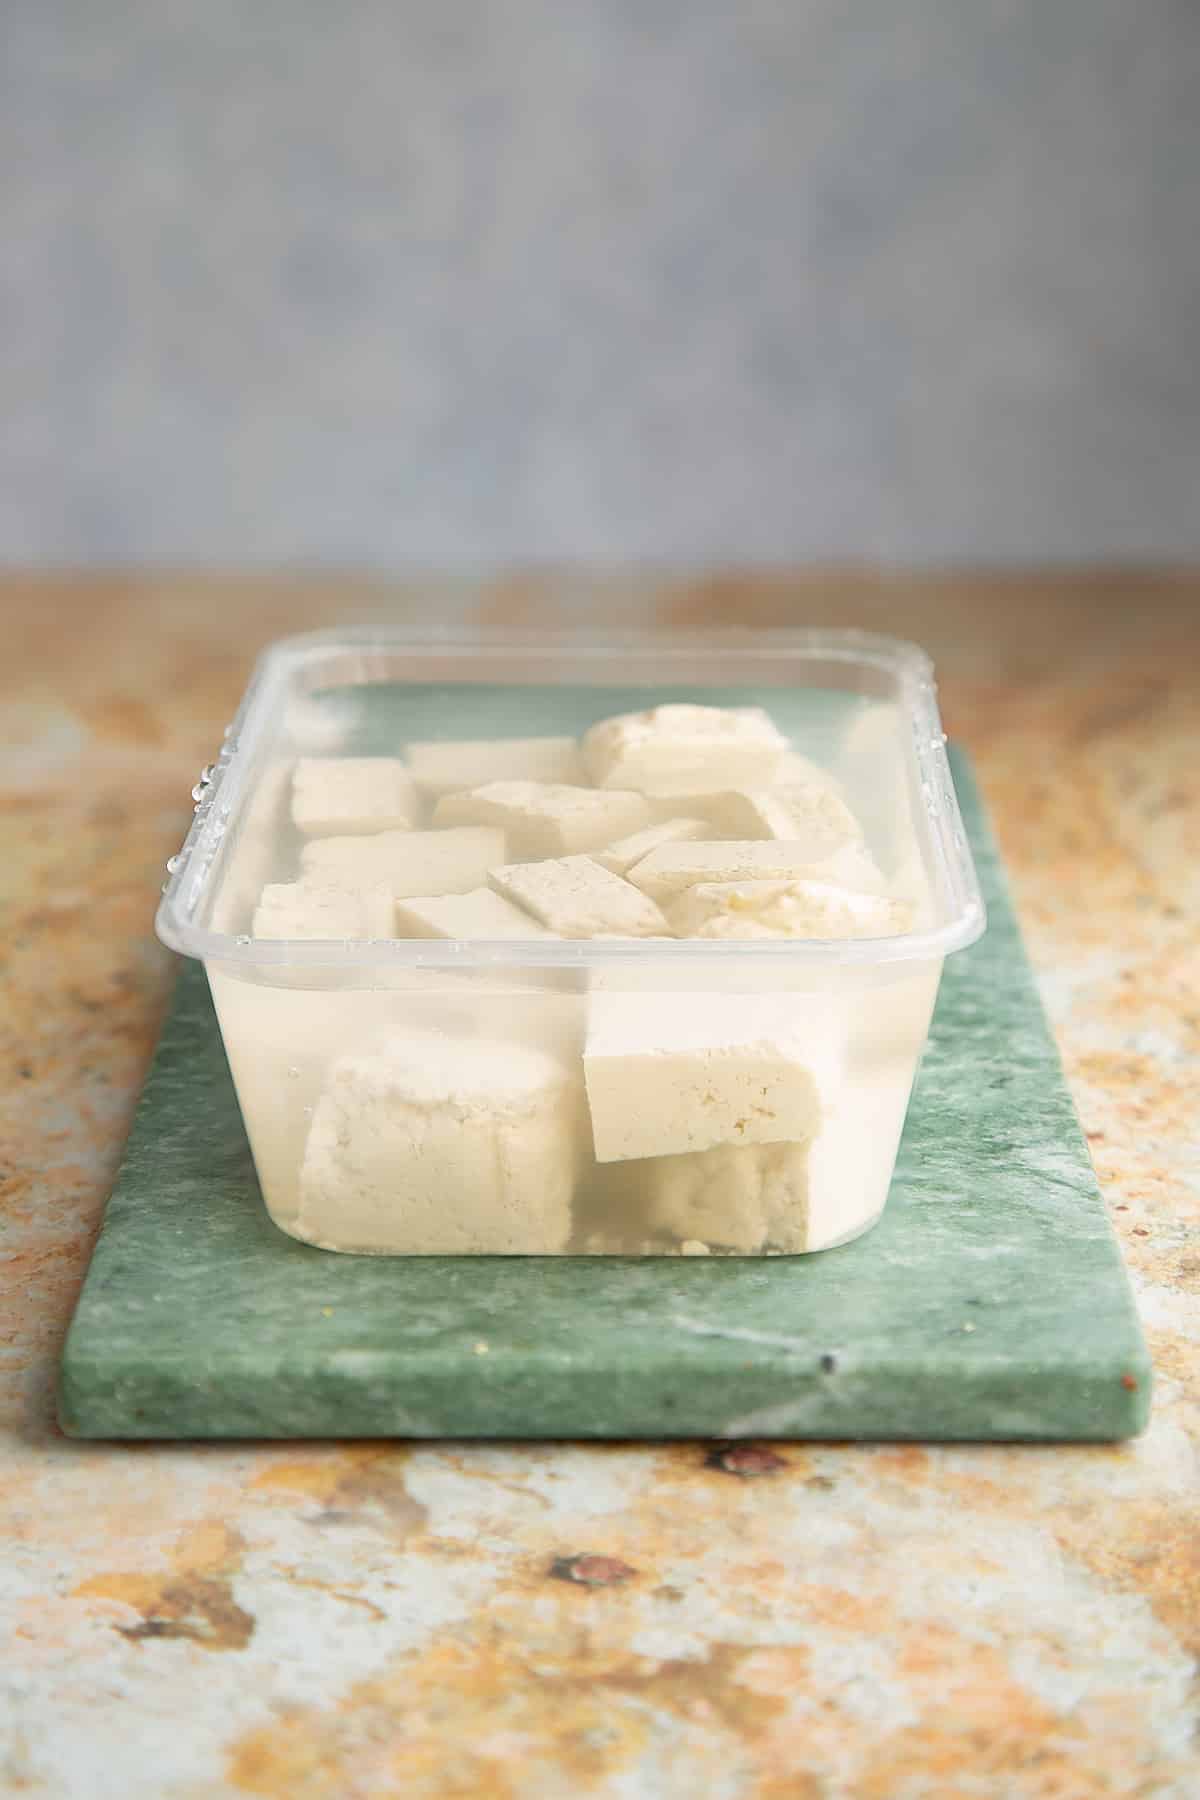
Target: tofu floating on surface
707, 747
407, 862
701, 1070
786, 909
482, 913
813, 812
726, 812
798, 771
448, 768
308, 909
437, 1145
813, 815
622, 855
577, 898
545, 818
670, 870
334, 795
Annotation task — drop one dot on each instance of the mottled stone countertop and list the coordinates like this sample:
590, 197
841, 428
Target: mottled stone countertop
373, 1619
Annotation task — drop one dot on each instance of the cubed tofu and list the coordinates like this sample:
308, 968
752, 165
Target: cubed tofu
815, 816
546, 819
708, 747
352, 794
448, 768
434, 1145
577, 898
786, 909
725, 812
621, 856
480, 914
664, 1080
739, 1197
308, 909
670, 870
798, 771
407, 862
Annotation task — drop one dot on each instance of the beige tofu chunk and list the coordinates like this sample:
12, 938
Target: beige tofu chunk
343, 795
433, 1145
448, 768
726, 812
798, 771
308, 909
669, 871
482, 913
745, 1198
812, 812
812, 815
707, 1069
621, 856
407, 862
786, 909
547, 819
705, 747
576, 898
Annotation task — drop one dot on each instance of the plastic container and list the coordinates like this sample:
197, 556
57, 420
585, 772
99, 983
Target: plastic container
483, 1143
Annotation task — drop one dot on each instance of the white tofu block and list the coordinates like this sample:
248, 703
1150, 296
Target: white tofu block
448, 768
479, 914
663, 1080
707, 747
343, 794
786, 909
740, 1197
813, 813
622, 855
798, 771
408, 862
545, 819
670, 870
306, 909
576, 898
726, 812
436, 1145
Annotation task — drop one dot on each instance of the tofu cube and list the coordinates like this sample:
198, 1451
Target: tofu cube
547, 819
706, 747
739, 1197
478, 914
621, 856
352, 794
707, 1069
307, 909
448, 768
815, 816
798, 771
576, 898
407, 862
812, 812
434, 1145
726, 812
670, 870
786, 909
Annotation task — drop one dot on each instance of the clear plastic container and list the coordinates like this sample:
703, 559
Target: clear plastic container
416, 1096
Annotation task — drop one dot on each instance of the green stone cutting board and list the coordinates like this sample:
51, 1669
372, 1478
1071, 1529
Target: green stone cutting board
990, 1302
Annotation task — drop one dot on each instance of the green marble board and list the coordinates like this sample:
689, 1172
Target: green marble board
989, 1303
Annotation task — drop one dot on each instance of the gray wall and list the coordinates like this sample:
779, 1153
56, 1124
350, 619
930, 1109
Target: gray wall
479, 279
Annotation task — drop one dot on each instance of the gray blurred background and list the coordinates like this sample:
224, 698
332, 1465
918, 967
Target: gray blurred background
468, 282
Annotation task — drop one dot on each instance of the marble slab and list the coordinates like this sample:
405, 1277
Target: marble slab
990, 1302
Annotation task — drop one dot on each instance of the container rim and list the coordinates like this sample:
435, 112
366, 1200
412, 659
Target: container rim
281, 662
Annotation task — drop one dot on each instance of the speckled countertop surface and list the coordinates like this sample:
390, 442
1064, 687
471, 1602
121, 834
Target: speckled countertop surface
369, 1620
